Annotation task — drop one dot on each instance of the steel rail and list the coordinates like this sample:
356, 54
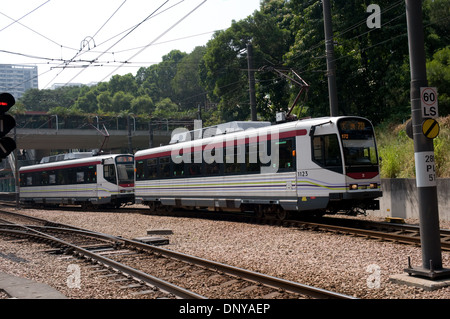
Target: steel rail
266, 280
270, 281
136, 274
372, 234
243, 273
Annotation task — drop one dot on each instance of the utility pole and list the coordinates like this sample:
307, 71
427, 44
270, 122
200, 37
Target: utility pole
130, 145
16, 171
424, 153
331, 65
251, 78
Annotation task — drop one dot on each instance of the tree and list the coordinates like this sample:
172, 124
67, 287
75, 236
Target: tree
165, 109
224, 78
437, 24
142, 105
167, 71
87, 102
186, 84
438, 70
104, 102
125, 83
43, 100
121, 102
372, 67
226, 65
156, 80
370, 63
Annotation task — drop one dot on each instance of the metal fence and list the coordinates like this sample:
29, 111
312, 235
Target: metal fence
76, 122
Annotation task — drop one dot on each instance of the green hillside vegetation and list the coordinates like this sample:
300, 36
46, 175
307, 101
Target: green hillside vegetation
372, 68
372, 74
397, 150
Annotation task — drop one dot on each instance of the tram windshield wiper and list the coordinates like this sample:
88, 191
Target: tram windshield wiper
313, 128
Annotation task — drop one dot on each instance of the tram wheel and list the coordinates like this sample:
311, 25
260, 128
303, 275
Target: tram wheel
152, 206
281, 214
259, 213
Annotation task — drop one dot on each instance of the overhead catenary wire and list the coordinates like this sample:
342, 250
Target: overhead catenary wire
160, 36
104, 24
66, 63
38, 33
340, 33
133, 27
16, 21
81, 51
303, 67
128, 33
128, 63
61, 63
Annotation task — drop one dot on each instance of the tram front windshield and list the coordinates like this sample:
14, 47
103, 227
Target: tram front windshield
358, 141
125, 169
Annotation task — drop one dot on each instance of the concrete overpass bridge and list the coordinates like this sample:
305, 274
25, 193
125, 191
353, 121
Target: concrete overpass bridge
41, 131
39, 134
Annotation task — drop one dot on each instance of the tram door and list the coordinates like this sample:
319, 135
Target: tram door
109, 185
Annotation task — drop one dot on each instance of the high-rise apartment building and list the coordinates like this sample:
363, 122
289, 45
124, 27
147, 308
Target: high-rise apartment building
16, 79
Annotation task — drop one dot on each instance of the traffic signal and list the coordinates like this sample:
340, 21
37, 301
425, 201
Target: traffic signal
7, 123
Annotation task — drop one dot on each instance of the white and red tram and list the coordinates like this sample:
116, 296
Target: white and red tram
91, 181
323, 165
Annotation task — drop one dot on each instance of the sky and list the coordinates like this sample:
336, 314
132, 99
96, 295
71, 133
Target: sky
86, 41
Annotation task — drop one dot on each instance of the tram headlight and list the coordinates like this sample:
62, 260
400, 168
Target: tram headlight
373, 186
353, 187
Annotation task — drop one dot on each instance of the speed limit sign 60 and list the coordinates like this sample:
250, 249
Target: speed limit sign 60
429, 101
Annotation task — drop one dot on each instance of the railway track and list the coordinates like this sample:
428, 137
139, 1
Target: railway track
400, 233
156, 269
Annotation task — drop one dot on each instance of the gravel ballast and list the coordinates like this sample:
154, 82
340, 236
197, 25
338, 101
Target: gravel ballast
349, 265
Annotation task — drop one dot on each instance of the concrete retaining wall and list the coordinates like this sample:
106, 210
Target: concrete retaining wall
400, 199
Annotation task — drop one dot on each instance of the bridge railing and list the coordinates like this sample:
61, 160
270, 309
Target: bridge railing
75, 122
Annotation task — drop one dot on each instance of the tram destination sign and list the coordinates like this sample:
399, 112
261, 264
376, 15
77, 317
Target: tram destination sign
429, 102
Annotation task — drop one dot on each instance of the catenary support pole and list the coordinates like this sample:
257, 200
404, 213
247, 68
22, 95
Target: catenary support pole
331, 64
251, 78
424, 152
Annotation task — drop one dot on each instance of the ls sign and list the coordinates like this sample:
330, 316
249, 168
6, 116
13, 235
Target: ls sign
429, 100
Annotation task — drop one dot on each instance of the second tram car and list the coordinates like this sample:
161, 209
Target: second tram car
324, 165
91, 181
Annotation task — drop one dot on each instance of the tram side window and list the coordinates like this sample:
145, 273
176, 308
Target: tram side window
152, 168
61, 177
211, 166
140, 170
286, 150
164, 167
147, 169
252, 159
109, 173
327, 153
44, 178
178, 170
26, 179
195, 169
52, 178
80, 177
90, 173
234, 159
